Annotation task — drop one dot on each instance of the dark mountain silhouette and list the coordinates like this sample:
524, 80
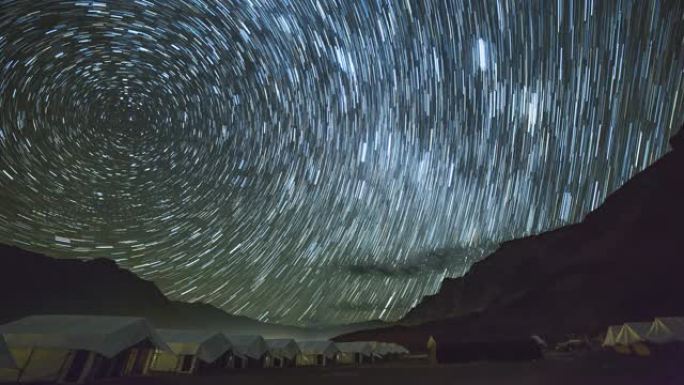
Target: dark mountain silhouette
623, 262
32, 283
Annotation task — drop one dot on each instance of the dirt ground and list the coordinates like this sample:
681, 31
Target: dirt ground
587, 369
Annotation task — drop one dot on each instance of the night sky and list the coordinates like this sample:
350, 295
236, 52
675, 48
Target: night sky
329, 161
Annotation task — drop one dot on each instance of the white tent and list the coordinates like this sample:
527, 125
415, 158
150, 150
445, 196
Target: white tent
611, 335
398, 349
666, 330
284, 351
394, 349
632, 332
71, 348
192, 349
316, 353
354, 352
249, 351
382, 348
387, 349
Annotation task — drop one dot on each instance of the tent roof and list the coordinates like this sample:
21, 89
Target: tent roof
106, 335
326, 348
206, 345
638, 327
283, 347
362, 347
673, 323
6, 359
248, 346
667, 329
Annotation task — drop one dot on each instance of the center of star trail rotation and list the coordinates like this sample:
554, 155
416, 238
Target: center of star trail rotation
313, 162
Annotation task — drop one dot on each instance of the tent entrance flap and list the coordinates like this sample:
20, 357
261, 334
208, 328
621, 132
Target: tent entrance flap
187, 363
78, 363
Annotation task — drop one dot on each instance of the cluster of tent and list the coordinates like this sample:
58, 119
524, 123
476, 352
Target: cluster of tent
642, 337
78, 349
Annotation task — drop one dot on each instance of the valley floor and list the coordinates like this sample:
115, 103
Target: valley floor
568, 369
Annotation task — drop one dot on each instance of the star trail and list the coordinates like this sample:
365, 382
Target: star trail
322, 161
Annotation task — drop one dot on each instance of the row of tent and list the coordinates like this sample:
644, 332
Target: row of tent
193, 351
78, 349
661, 331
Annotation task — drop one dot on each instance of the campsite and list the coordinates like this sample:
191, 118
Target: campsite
127, 350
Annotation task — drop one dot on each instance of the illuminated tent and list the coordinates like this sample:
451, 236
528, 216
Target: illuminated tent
249, 352
632, 332
354, 352
611, 335
316, 353
193, 350
76, 349
666, 330
283, 351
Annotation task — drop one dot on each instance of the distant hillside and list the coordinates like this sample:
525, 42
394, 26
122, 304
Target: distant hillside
32, 283
624, 261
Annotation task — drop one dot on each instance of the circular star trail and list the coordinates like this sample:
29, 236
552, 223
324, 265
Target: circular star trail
321, 161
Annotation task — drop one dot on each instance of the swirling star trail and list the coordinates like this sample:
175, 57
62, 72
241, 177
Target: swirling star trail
320, 161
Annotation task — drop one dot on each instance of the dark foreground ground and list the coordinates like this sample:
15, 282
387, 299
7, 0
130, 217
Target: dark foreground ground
588, 369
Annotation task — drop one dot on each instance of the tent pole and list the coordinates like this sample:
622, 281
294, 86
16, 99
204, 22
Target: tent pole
66, 364
148, 361
133, 355
28, 361
87, 367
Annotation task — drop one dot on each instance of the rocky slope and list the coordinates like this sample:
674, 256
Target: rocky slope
32, 283
624, 261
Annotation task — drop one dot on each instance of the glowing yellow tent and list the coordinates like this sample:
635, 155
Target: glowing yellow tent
632, 332
249, 351
611, 335
283, 352
193, 350
316, 353
355, 352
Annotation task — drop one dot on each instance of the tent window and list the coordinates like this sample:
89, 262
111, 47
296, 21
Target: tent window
186, 365
77, 364
320, 360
